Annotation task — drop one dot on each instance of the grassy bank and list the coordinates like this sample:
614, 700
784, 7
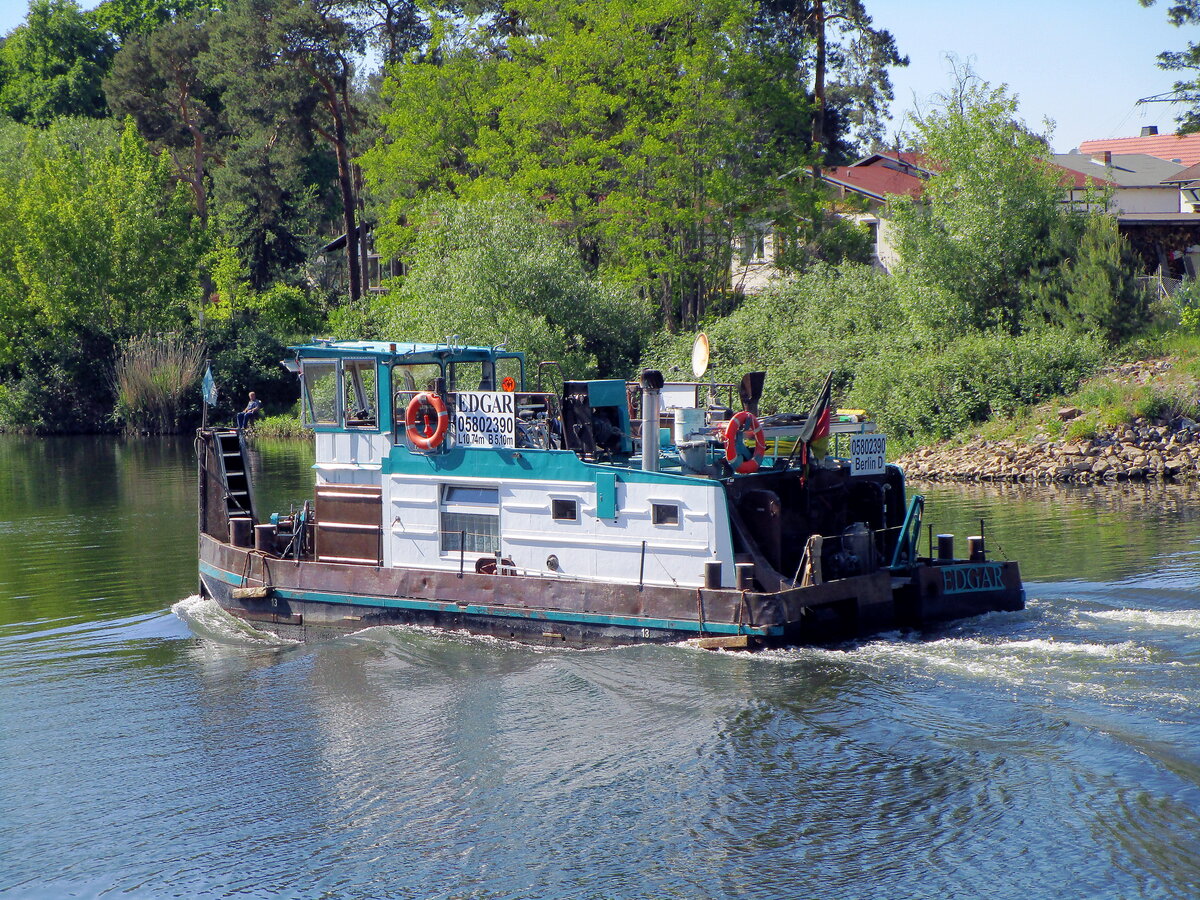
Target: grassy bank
1157, 381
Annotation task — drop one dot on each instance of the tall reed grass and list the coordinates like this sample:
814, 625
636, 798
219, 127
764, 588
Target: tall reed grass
152, 375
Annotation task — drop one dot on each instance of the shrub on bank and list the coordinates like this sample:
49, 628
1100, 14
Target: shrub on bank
152, 374
921, 377
932, 392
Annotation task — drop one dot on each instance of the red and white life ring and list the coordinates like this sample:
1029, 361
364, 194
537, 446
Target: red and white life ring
429, 434
745, 422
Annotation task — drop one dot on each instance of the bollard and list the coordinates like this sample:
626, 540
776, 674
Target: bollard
712, 576
745, 576
239, 531
945, 547
264, 538
975, 547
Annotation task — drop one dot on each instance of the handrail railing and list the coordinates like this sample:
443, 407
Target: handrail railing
910, 533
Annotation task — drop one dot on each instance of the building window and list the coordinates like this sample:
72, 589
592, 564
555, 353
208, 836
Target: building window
470, 519
754, 247
564, 510
664, 513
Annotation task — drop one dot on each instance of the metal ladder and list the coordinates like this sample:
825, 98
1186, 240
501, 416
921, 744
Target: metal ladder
235, 474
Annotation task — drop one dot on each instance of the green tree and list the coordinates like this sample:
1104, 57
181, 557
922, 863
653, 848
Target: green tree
156, 79
102, 247
52, 65
650, 131
126, 18
492, 270
268, 192
1187, 89
849, 61
987, 215
1095, 287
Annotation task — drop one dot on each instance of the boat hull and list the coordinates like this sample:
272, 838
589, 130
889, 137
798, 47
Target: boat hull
310, 600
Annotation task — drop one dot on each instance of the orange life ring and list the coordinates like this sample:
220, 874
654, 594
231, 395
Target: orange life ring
745, 421
428, 434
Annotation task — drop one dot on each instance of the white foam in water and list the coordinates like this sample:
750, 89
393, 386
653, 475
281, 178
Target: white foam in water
1180, 618
207, 620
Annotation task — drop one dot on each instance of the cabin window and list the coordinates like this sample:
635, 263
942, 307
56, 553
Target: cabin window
472, 376
509, 368
664, 513
320, 392
407, 382
564, 510
470, 519
360, 393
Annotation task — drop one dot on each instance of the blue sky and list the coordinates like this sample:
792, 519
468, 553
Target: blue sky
1082, 64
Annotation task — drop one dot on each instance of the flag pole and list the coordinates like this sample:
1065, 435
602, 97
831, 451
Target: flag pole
204, 397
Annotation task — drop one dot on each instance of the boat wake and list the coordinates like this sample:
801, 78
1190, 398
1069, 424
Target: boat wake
1188, 619
207, 620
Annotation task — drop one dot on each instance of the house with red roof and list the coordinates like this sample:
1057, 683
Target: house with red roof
1181, 149
1144, 193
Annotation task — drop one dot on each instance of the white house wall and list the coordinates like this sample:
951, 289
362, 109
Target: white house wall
1146, 200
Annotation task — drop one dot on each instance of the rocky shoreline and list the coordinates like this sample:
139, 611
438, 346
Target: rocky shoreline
1142, 451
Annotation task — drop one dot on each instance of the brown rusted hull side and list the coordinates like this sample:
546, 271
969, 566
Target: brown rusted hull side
942, 592
316, 599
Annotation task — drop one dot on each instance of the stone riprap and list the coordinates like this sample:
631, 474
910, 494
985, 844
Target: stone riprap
1143, 450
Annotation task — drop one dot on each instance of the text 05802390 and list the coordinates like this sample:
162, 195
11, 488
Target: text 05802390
868, 454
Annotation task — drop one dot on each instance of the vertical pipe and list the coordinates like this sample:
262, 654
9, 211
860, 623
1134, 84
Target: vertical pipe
642, 568
652, 382
462, 552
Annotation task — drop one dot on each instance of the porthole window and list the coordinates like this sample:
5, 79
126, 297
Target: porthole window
664, 513
564, 510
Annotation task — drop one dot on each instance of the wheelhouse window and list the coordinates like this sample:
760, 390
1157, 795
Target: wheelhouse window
470, 519
472, 376
564, 510
408, 381
360, 393
509, 372
664, 513
320, 392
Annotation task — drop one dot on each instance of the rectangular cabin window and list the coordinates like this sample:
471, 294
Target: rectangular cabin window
564, 510
509, 368
471, 376
360, 393
664, 513
470, 519
320, 384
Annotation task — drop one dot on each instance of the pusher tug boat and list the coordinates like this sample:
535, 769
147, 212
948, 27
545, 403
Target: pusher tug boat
449, 494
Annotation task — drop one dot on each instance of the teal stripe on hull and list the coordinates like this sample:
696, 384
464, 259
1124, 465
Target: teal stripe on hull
501, 611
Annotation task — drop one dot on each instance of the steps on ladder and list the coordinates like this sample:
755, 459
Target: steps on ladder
235, 474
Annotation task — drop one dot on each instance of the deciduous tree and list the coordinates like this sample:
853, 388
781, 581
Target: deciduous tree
53, 63
988, 213
648, 131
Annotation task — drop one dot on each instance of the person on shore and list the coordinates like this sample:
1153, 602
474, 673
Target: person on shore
246, 416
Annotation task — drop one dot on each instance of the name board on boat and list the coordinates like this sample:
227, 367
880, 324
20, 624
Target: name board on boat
868, 454
971, 578
486, 419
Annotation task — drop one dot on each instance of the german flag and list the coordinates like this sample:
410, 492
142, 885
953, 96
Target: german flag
816, 426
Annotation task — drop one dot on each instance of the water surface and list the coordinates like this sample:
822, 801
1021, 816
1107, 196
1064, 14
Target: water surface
151, 746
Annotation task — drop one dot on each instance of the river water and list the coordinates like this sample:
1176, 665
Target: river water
152, 747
